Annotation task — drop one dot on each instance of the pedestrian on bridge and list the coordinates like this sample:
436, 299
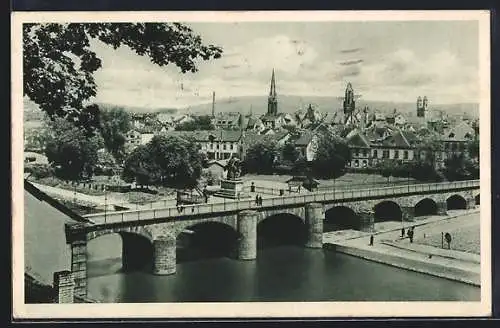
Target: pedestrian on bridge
257, 200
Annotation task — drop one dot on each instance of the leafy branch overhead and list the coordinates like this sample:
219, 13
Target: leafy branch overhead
58, 62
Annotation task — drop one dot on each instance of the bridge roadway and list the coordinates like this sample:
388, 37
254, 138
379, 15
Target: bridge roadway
328, 196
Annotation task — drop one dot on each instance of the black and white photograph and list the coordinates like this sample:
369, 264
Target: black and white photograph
251, 164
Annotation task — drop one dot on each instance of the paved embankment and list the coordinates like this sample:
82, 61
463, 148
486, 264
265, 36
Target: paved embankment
389, 248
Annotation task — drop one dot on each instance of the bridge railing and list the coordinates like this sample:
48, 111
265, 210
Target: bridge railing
231, 205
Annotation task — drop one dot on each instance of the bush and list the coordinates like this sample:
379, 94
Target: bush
39, 171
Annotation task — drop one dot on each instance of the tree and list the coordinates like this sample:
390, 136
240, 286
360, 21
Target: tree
261, 157
165, 160
459, 167
290, 153
332, 155
179, 160
72, 150
203, 122
114, 124
58, 63
425, 171
140, 168
473, 148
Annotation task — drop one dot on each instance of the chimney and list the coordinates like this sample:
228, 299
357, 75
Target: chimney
213, 104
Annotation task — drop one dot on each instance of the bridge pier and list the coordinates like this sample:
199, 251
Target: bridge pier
79, 267
315, 216
247, 242
164, 255
470, 203
442, 208
64, 287
408, 213
366, 221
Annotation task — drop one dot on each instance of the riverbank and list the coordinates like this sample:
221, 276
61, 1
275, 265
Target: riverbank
389, 248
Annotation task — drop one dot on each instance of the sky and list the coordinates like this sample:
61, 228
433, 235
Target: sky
384, 61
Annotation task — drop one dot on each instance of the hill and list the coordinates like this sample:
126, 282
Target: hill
290, 104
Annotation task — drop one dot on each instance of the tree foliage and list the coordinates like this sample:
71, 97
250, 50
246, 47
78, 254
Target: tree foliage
459, 167
165, 160
72, 150
203, 122
58, 62
332, 155
261, 157
114, 124
290, 153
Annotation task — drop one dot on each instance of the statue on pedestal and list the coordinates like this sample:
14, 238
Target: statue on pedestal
233, 169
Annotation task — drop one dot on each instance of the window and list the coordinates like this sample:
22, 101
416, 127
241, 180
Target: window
385, 154
217, 146
224, 146
365, 163
375, 154
396, 154
356, 163
405, 154
365, 152
356, 152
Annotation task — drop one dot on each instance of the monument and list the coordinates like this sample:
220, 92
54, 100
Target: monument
232, 186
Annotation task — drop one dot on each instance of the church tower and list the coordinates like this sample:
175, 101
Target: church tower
425, 104
420, 106
272, 100
349, 104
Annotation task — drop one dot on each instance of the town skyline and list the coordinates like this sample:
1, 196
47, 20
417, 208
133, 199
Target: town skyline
385, 61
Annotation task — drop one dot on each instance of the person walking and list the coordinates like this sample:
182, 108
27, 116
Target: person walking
410, 235
402, 232
257, 200
371, 240
260, 200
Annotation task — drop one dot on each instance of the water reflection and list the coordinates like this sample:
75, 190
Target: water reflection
281, 273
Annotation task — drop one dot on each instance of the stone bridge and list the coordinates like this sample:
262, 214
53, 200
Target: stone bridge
154, 234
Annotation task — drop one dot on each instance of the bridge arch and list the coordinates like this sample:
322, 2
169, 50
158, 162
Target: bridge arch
135, 249
456, 202
281, 229
341, 218
207, 239
426, 206
387, 210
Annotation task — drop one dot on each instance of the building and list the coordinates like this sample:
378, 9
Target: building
371, 147
251, 123
455, 139
133, 139
228, 121
307, 145
399, 120
216, 144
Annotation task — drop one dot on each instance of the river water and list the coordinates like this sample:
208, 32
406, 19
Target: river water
283, 273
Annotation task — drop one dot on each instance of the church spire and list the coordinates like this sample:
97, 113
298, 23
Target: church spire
272, 90
272, 101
